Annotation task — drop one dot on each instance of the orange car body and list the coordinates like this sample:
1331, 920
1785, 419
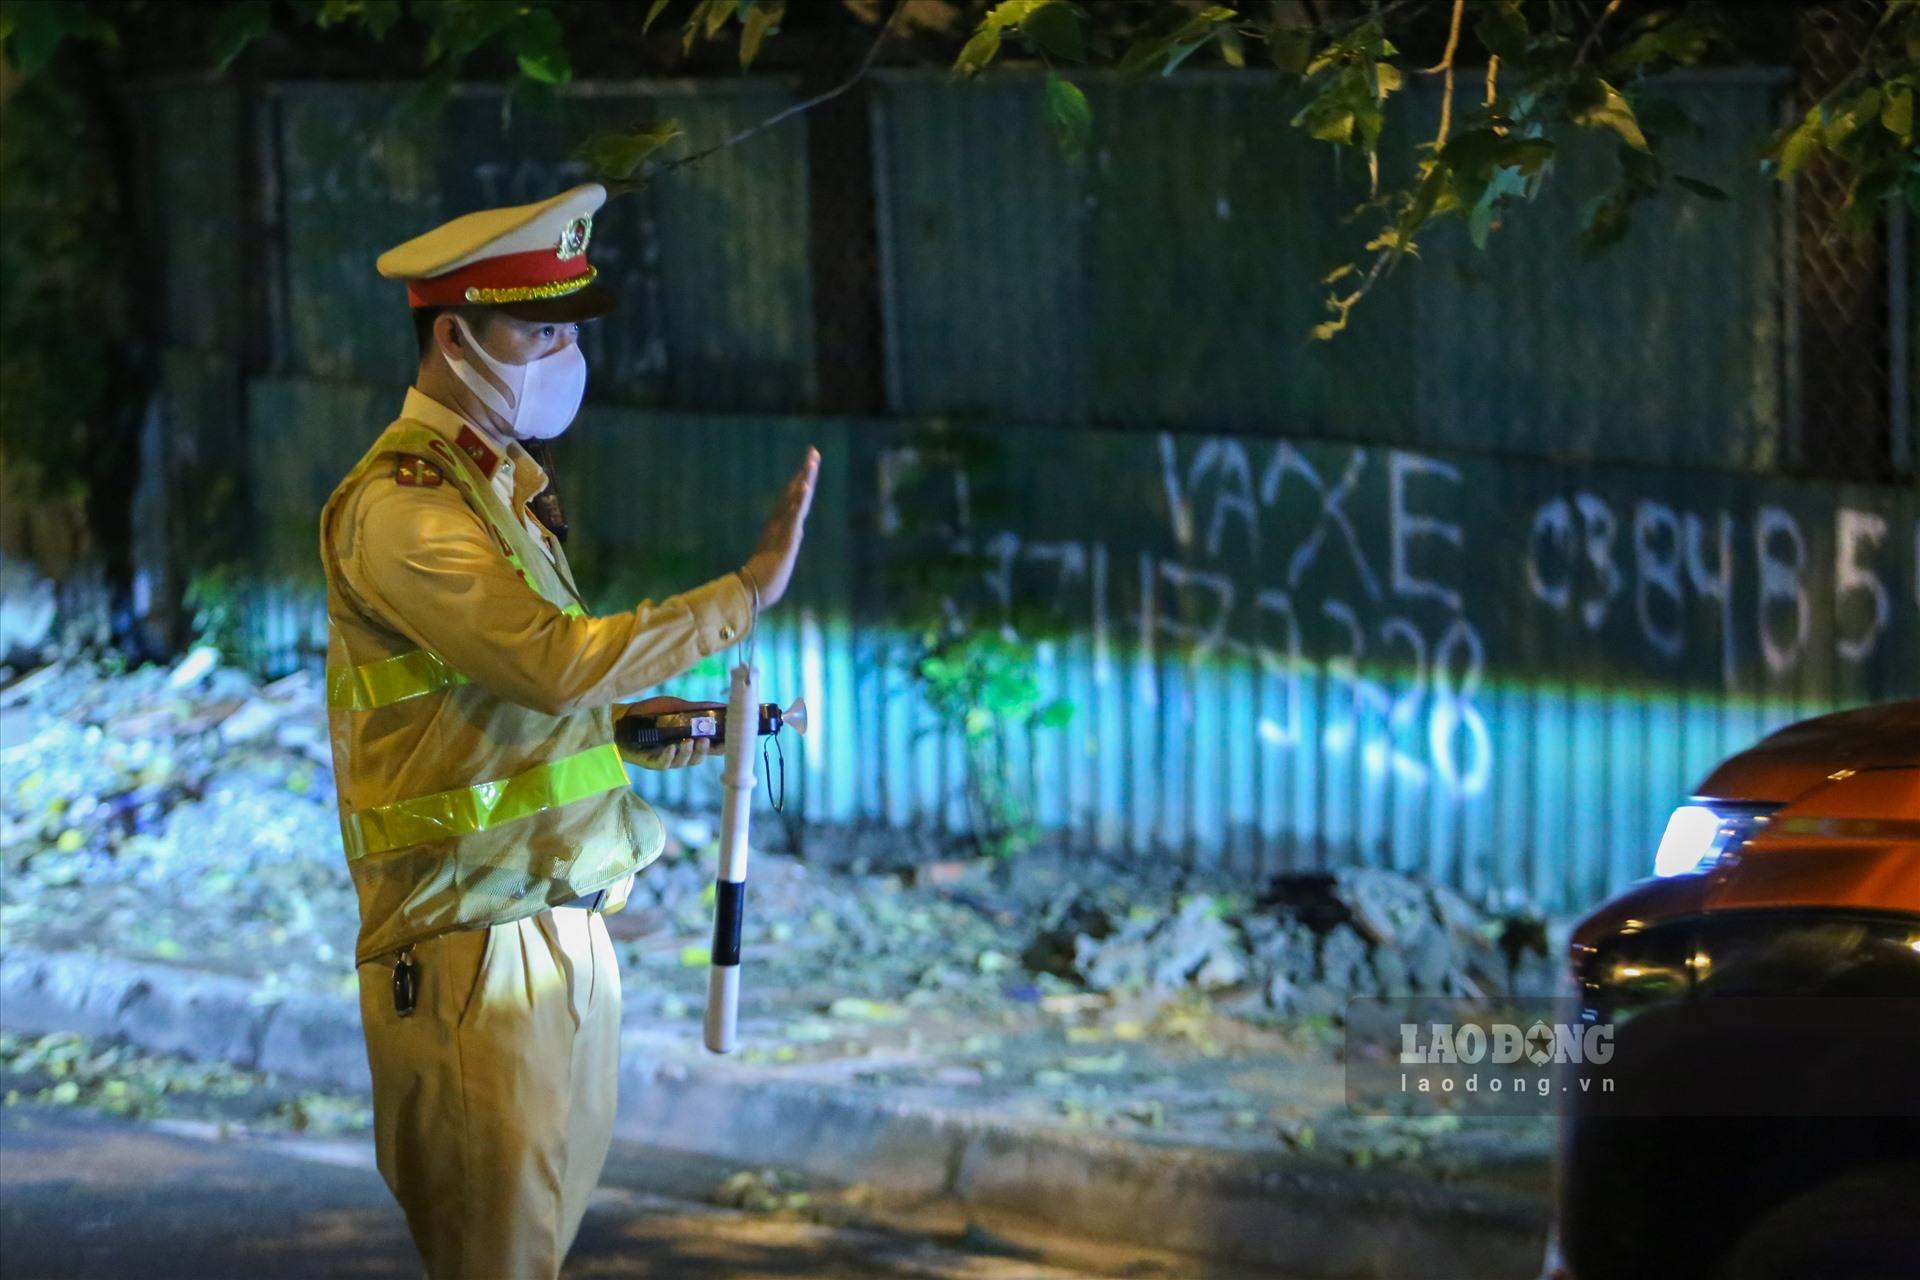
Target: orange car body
1805, 886
1846, 832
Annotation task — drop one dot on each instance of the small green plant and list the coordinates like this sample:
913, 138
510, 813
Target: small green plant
981, 682
974, 665
216, 600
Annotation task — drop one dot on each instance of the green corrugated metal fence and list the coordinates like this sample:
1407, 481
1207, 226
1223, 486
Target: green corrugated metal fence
1477, 590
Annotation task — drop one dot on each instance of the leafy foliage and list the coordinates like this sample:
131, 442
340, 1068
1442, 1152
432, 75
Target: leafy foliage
981, 681
708, 20
1862, 127
215, 599
623, 156
977, 679
33, 30
1553, 69
1069, 113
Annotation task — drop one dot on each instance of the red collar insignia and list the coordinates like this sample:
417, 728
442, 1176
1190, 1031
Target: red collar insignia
474, 447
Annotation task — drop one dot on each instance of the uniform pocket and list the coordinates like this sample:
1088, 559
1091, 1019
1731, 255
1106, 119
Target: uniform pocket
470, 977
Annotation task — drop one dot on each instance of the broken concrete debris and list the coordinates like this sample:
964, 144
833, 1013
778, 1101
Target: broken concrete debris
130, 793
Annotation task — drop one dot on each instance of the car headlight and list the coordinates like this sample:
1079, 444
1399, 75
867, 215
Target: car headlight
1687, 841
1699, 835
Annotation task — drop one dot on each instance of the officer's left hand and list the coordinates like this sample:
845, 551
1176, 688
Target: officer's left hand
675, 755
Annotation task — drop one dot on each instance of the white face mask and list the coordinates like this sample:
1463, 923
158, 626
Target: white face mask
541, 396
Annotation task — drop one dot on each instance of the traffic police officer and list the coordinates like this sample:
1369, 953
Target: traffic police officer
486, 812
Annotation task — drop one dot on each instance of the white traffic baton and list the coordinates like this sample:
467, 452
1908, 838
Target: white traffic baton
730, 885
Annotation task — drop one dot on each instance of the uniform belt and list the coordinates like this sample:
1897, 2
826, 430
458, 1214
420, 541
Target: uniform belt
591, 902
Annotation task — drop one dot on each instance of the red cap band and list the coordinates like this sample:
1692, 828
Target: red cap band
532, 269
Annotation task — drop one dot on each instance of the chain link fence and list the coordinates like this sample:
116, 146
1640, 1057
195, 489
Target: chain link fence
1849, 326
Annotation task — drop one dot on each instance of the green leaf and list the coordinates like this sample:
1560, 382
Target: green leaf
543, 70
696, 21
1706, 190
1642, 170
539, 46
1607, 223
237, 27
1056, 714
1683, 39
1055, 28
378, 17
1480, 151
763, 20
1233, 49
1333, 126
619, 156
1798, 145
1595, 104
1168, 50
1425, 196
1143, 55
1502, 28
1010, 13
978, 52
1846, 121
1071, 117
1896, 114
33, 32
1480, 221
653, 11
1290, 48
719, 13
1179, 54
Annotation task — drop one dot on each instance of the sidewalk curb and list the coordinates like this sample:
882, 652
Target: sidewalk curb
1251, 1209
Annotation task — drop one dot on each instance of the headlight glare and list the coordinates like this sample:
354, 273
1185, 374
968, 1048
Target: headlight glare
1689, 839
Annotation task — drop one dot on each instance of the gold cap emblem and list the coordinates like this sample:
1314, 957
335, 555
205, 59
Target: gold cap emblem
574, 237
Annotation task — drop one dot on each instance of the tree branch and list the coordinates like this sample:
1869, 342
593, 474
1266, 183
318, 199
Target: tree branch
1446, 65
1593, 34
786, 113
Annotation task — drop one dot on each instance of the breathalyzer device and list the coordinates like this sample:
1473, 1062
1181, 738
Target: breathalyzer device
637, 731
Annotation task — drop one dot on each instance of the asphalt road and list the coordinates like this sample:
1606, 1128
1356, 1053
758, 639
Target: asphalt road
83, 1197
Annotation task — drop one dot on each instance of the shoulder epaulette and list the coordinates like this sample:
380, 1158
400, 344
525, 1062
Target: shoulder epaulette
416, 471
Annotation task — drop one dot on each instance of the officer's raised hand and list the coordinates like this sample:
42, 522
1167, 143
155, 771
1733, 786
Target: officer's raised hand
771, 564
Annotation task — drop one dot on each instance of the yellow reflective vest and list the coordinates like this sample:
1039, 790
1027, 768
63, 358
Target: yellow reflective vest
470, 694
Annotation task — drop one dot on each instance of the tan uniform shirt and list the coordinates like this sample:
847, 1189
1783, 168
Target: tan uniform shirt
425, 563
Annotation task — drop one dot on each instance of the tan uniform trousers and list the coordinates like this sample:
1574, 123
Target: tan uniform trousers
493, 1102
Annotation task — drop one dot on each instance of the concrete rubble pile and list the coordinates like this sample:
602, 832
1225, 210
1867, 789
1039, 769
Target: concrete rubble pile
172, 811
1303, 947
188, 812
